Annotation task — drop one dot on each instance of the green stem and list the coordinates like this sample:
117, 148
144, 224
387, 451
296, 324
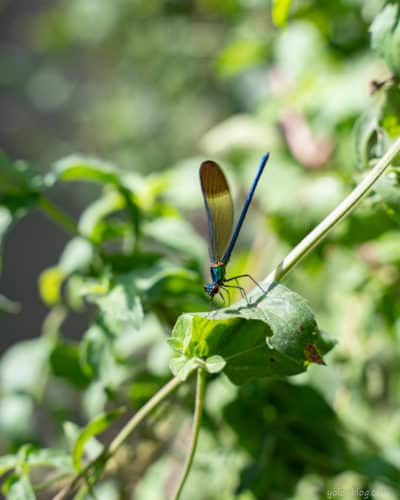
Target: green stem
127, 430
198, 412
58, 216
122, 436
337, 215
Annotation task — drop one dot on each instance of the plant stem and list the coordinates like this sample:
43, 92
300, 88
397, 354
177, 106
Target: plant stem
58, 216
127, 430
122, 436
337, 215
198, 412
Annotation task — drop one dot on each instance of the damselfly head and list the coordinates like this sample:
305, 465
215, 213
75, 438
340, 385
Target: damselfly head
211, 289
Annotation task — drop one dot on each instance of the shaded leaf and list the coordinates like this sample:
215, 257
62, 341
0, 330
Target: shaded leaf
6, 220
8, 306
286, 429
366, 129
20, 185
65, 363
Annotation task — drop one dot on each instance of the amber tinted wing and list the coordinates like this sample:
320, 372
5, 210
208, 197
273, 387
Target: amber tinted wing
219, 208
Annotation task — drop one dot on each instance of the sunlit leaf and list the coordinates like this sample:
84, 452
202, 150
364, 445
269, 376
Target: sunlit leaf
76, 256
385, 36
23, 367
99, 357
50, 282
215, 364
280, 11
18, 487
266, 339
176, 235
7, 462
96, 426
240, 55
73, 168
50, 457
121, 309
16, 418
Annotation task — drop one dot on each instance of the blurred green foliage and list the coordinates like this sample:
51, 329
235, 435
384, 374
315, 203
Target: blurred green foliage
155, 87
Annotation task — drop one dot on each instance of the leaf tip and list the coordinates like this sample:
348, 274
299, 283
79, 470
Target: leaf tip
312, 355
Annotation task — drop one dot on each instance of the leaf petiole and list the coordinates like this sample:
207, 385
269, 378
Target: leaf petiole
198, 413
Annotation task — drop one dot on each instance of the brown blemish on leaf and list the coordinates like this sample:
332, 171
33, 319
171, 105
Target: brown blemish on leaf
312, 355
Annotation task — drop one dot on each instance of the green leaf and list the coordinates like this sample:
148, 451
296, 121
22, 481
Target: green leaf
20, 184
388, 190
91, 222
18, 487
65, 363
81, 168
17, 418
121, 309
284, 428
7, 462
50, 281
383, 250
182, 367
76, 256
50, 457
385, 36
271, 338
96, 426
366, 130
8, 306
100, 360
215, 364
239, 55
280, 12
23, 367
6, 219
176, 235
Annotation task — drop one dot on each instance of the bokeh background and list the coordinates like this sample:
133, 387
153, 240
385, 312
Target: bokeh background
141, 84
155, 88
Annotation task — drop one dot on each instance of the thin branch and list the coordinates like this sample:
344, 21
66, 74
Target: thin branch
337, 215
58, 216
121, 437
198, 412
